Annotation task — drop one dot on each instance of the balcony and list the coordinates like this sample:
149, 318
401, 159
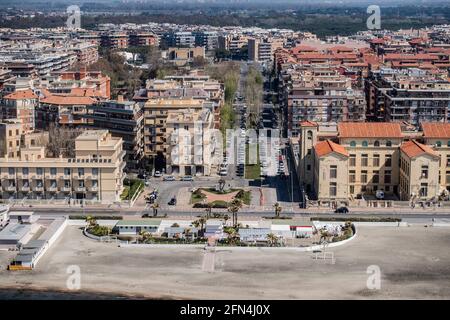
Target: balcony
10, 188
81, 189
93, 189
66, 189
39, 188
53, 189
25, 188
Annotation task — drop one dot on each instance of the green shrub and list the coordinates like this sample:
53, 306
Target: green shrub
99, 231
83, 217
356, 219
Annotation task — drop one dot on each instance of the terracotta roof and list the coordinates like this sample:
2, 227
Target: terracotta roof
436, 130
414, 149
23, 94
369, 130
308, 124
326, 147
67, 100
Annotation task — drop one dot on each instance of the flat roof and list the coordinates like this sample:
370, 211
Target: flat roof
14, 231
294, 223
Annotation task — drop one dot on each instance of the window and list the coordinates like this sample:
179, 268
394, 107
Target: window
365, 144
80, 172
388, 143
424, 173
39, 183
352, 176
308, 167
53, 171
363, 176
333, 172
387, 177
364, 160
39, 171
11, 171
333, 189
10, 133
309, 135
353, 144
447, 177
376, 143
53, 183
376, 177
388, 161
95, 171
352, 189
423, 190
448, 143
352, 160
438, 144
80, 183
376, 160
66, 183
25, 171
66, 171
95, 183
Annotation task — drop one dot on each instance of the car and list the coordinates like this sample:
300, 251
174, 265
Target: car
169, 178
341, 210
187, 178
223, 172
172, 202
157, 174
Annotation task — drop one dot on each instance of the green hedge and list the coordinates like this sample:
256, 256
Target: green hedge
81, 217
356, 219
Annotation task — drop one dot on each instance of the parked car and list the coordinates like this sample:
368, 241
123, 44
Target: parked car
187, 178
157, 174
172, 202
341, 210
169, 178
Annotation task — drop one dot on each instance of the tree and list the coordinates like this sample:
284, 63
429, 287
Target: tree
208, 210
272, 239
91, 221
155, 207
145, 236
221, 184
278, 209
234, 207
232, 235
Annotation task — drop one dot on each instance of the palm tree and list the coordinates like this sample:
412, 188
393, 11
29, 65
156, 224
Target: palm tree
145, 235
233, 235
208, 210
155, 207
278, 209
202, 222
91, 221
272, 239
221, 184
233, 208
225, 219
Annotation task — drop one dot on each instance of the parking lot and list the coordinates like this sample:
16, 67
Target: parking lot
409, 269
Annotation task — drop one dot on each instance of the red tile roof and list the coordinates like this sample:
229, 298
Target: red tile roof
369, 130
436, 130
414, 149
308, 124
326, 147
22, 94
67, 100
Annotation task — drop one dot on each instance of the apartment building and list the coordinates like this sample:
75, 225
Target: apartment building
360, 160
62, 109
20, 105
411, 95
155, 117
207, 39
263, 49
143, 39
117, 40
94, 173
182, 56
321, 94
123, 119
191, 142
10, 138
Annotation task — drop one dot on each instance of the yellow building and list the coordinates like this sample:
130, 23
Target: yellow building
93, 174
